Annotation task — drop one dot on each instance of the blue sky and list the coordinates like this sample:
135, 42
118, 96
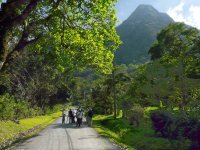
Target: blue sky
187, 11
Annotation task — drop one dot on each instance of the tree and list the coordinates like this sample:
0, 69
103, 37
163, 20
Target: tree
158, 81
33, 79
121, 83
102, 95
178, 45
13, 15
72, 30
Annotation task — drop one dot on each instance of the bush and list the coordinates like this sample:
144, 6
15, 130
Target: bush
194, 136
188, 128
7, 105
20, 110
162, 121
12, 109
135, 114
178, 127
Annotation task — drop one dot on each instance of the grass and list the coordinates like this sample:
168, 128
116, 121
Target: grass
130, 137
9, 129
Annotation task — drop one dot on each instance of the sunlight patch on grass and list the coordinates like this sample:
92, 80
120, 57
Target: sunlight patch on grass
9, 129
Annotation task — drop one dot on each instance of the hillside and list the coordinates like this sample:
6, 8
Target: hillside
138, 33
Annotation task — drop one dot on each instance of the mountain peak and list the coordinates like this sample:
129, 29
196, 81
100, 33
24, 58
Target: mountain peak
145, 6
146, 14
138, 33
144, 11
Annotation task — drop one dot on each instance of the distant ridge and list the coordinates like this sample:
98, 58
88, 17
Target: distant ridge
138, 33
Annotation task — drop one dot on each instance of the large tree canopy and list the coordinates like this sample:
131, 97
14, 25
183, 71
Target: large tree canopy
179, 44
75, 32
175, 40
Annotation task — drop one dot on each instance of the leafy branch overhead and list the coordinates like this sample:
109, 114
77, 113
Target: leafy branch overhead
77, 32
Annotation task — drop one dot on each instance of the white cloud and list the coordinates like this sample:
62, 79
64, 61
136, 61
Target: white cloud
194, 18
189, 14
176, 12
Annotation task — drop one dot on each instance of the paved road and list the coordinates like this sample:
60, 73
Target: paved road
66, 137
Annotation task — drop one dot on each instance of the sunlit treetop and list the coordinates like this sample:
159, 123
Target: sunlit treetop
77, 33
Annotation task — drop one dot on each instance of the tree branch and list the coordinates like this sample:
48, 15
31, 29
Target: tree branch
20, 19
8, 8
19, 47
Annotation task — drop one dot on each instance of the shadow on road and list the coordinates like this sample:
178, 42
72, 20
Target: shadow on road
60, 125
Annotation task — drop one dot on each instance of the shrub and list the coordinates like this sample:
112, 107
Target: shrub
188, 128
184, 126
162, 121
194, 136
7, 105
20, 110
177, 127
135, 114
12, 109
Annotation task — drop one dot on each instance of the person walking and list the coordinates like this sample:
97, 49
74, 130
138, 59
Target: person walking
73, 116
86, 116
63, 117
70, 115
79, 116
89, 117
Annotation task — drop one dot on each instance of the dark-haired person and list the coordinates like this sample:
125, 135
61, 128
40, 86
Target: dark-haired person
63, 117
89, 117
70, 115
79, 116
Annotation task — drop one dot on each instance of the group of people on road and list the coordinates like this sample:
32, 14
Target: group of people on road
78, 114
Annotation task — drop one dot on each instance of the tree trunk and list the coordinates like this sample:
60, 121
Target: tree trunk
5, 35
114, 94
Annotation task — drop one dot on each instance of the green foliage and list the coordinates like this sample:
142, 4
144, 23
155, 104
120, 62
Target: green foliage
178, 44
12, 109
194, 105
80, 38
73, 33
162, 81
178, 127
36, 82
129, 137
135, 114
15, 109
157, 81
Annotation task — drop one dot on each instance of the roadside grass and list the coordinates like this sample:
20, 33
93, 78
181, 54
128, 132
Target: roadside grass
9, 130
131, 137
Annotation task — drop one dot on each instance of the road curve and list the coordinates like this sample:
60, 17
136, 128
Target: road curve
66, 137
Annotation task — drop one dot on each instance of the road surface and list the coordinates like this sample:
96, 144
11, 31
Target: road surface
66, 137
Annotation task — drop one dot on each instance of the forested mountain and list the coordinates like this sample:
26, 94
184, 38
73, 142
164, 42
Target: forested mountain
138, 32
